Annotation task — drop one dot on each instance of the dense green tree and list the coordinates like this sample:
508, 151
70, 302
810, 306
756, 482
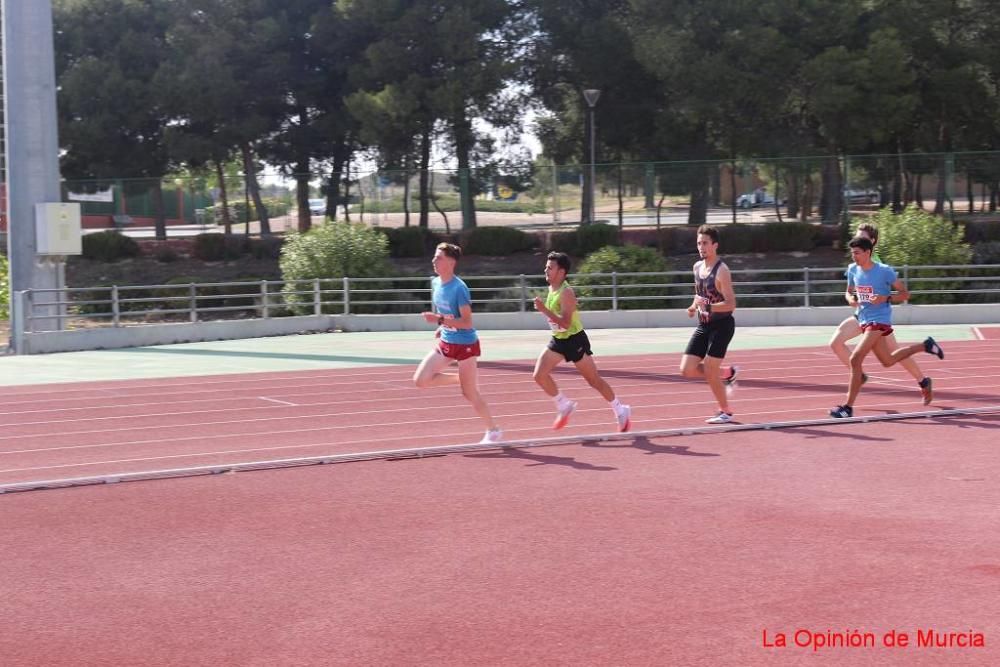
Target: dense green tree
433, 67
111, 118
587, 44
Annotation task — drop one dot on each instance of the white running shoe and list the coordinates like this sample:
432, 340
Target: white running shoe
562, 416
492, 437
624, 418
720, 418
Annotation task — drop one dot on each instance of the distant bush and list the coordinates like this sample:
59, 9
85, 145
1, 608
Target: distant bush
623, 259
915, 237
737, 239
108, 246
679, 240
987, 252
590, 238
166, 255
334, 250
267, 247
585, 239
786, 237
496, 241
213, 247
409, 241
734, 239
979, 231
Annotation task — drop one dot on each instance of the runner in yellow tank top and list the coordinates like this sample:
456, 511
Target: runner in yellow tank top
553, 301
569, 341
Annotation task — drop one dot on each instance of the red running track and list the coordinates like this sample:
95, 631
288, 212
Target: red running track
83, 430
650, 551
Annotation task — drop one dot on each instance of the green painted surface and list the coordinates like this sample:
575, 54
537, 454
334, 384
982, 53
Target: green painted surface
348, 350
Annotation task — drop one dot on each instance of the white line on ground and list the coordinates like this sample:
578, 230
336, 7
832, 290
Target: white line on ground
785, 359
751, 370
275, 400
419, 452
439, 422
692, 388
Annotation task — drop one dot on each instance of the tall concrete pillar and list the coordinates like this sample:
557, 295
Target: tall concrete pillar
32, 145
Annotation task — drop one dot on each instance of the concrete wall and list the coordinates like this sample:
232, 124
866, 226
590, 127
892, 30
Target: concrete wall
166, 334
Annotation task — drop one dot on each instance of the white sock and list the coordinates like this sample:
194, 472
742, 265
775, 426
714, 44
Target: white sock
560, 400
615, 404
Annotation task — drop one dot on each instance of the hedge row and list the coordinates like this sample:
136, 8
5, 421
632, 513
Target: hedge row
108, 246
586, 239
492, 241
980, 231
224, 247
111, 245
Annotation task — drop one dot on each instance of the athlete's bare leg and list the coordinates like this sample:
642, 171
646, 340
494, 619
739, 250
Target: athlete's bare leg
468, 373
430, 371
709, 368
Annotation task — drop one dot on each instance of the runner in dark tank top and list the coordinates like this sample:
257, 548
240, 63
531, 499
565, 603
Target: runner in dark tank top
714, 302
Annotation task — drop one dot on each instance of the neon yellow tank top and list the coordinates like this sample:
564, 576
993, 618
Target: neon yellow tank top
553, 303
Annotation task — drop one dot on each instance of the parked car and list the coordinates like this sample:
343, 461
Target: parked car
754, 199
317, 206
861, 196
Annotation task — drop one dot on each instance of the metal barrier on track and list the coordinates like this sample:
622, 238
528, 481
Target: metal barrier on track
137, 305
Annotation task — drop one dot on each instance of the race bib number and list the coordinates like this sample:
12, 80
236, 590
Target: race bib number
556, 328
866, 293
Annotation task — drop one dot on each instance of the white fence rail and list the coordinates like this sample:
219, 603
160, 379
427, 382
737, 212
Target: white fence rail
137, 305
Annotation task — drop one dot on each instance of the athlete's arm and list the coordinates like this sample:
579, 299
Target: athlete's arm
462, 322
693, 308
724, 283
567, 304
850, 294
902, 294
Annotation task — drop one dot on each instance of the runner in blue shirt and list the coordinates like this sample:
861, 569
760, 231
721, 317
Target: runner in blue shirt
458, 342
872, 284
851, 328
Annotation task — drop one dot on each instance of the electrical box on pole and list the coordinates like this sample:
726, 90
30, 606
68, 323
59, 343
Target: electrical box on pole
57, 229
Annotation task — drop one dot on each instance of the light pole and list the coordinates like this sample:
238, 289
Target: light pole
591, 95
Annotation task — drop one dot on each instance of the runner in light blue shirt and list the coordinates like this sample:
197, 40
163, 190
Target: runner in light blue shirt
872, 286
448, 299
459, 343
851, 327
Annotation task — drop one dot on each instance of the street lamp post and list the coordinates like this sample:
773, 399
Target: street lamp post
591, 95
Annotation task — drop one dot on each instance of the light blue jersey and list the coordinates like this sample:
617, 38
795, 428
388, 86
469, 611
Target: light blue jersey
448, 298
877, 281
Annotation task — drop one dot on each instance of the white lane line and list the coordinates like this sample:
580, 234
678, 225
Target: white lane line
784, 357
693, 389
275, 400
932, 412
448, 449
750, 372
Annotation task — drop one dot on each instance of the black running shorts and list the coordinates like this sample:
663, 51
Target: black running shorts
712, 338
573, 348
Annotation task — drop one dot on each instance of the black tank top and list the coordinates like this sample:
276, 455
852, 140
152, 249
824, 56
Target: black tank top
705, 287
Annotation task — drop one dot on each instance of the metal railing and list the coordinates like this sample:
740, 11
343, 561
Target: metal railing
136, 305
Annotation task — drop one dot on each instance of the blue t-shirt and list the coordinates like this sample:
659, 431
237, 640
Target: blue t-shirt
877, 281
448, 298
